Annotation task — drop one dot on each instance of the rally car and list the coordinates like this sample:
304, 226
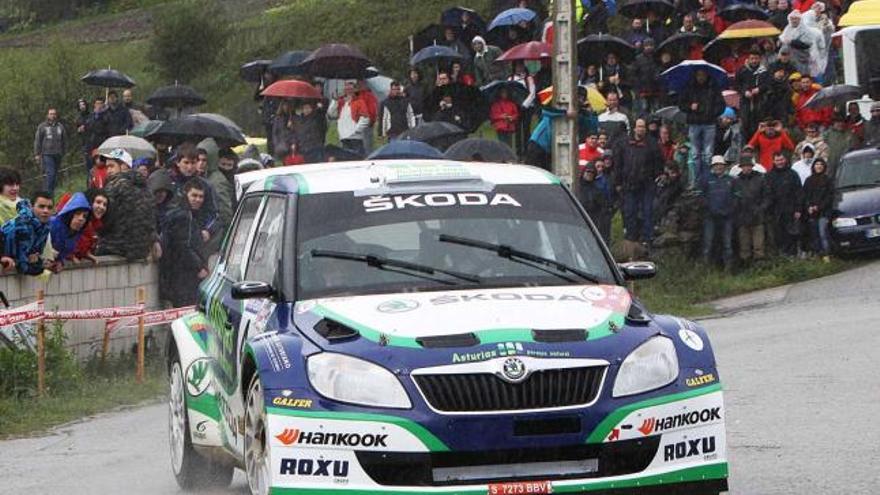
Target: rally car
434, 327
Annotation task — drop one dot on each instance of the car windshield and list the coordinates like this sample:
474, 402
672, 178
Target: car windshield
355, 245
861, 170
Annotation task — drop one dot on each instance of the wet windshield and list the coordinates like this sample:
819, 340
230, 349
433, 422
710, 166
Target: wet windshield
859, 171
537, 219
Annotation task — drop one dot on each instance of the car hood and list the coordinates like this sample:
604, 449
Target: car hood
467, 320
857, 202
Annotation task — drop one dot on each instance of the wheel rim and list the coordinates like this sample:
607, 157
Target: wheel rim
176, 417
256, 452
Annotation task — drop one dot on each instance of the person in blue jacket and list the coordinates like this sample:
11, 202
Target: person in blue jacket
717, 188
66, 226
25, 236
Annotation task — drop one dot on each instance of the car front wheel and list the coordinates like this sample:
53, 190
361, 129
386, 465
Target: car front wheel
256, 447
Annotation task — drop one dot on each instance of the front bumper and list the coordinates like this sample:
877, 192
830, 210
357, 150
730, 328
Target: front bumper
857, 239
676, 440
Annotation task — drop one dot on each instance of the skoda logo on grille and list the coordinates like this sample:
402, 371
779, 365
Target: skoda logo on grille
513, 370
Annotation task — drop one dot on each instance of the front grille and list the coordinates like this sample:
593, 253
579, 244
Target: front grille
481, 392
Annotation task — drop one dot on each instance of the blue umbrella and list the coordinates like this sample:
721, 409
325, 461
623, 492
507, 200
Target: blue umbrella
405, 148
435, 53
679, 77
512, 17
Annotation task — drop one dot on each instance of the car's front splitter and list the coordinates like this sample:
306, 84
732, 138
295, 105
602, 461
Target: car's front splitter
653, 443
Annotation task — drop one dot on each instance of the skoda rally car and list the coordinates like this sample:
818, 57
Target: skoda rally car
434, 327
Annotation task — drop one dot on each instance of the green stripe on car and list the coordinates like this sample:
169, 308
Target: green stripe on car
205, 404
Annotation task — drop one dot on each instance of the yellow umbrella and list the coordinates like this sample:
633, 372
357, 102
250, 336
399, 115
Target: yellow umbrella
859, 19
594, 97
750, 28
863, 6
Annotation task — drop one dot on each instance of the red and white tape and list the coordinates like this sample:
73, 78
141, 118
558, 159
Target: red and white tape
21, 314
121, 317
151, 319
96, 314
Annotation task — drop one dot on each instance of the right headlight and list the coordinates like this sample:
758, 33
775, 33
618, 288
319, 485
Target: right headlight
844, 222
349, 379
650, 366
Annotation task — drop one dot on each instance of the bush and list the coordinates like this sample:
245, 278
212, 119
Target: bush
18, 369
188, 38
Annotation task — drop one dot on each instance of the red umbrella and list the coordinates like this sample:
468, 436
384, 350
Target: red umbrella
533, 50
291, 88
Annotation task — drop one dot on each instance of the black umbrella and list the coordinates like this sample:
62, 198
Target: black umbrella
108, 78
406, 148
639, 9
177, 96
335, 153
717, 49
288, 64
453, 17
431, 34
672, 114
593, 48
337, 61
195, 128
680, 42
481, 150
253, 71
742, 12
435, 54
440, 135
516, 91
836, 95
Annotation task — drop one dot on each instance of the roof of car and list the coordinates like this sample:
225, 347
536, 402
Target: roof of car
861, 152
373, 175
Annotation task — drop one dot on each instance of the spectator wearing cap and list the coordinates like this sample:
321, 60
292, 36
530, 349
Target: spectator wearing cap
728, 136
130, 229
872, 127
717, 188
814, 138
702, 103
593, 199
26, 235
770, 138
750, 80
750, 204
783, 61
840, 140
50, 143
746, 155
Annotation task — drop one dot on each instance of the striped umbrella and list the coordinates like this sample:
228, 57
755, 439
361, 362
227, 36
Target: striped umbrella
749, 29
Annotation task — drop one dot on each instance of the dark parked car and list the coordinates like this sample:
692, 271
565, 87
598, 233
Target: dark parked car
855, 223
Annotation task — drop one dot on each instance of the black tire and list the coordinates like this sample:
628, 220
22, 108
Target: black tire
192, 471
256, 445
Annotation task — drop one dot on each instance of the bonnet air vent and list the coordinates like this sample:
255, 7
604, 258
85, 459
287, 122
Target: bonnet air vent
563, 335
334, 331
459, 340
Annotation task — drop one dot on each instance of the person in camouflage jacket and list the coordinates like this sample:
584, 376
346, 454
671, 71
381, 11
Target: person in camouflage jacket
130, 225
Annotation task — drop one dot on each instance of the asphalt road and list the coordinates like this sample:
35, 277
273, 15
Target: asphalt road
802, 395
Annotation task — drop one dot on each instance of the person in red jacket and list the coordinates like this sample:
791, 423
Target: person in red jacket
770, 138
805, 116
504, 115
99, 171
589, 152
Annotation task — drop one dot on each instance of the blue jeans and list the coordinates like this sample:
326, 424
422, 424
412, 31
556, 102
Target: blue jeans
702, 139
819, 235
638, 205
712, 226
51, 163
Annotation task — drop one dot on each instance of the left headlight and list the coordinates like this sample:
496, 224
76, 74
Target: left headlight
348, 379
650, 366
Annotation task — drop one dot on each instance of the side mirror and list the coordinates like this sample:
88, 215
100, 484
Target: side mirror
252, 290
638, 270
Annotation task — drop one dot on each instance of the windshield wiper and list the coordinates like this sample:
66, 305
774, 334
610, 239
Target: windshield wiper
387, 263
524, 257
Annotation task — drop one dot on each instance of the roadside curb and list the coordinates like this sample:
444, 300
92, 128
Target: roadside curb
752, 300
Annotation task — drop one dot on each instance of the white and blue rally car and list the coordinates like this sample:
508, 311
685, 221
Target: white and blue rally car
434, 327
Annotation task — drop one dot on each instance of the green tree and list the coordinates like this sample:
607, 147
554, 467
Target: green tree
189, 36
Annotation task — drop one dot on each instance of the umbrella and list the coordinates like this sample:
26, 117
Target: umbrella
672, 114
406, 148
863, 6
427, 36
533, 50
177, 96
337, 61
743, 12
195, 128
749, 29
594, 47
434, 54
452, 17
253, 71
144, 128
135, 146
717, 49
481, 150
680, 42
291, 88
639, 9
222, 119
380, 86
108, 78
680, 76
337, 154
839, 94
516, 91
594, 97
859, 18
512, 17
288, 63
440, 135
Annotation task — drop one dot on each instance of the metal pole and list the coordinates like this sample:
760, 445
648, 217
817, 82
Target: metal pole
565, 142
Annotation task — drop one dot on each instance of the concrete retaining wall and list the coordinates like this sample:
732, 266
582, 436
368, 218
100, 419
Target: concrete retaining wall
112, 282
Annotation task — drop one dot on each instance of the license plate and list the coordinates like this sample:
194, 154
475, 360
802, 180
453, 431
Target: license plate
872, 233
521, 488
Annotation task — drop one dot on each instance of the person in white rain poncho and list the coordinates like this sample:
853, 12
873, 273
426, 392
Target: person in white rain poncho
817, 17
807, 45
